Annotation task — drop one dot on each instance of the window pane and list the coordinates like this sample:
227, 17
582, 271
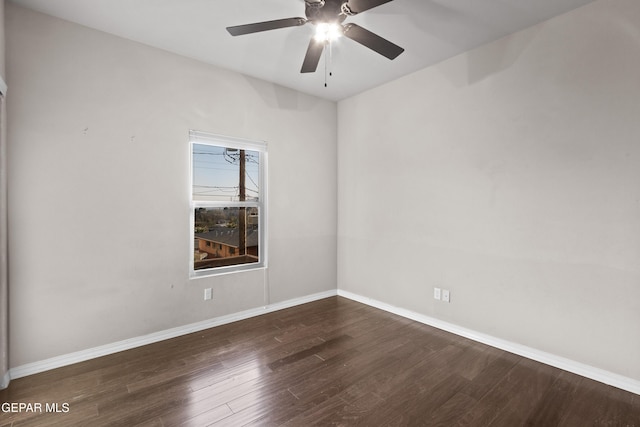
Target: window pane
218, 237
216, 174
227, 177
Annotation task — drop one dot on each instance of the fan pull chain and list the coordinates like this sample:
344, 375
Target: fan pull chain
327, 68
330, 60
326, 43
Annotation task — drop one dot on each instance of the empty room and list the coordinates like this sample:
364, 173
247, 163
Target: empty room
319, 212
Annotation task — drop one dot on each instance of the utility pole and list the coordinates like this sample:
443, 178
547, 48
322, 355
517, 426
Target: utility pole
242, 212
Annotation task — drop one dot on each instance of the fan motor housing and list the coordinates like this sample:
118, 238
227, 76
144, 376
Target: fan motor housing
329, 11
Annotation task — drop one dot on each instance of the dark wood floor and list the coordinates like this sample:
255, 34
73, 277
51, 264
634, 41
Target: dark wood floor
331, 362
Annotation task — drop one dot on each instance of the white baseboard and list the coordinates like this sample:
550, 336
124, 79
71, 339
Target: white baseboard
103, 350
4, 383
581, 369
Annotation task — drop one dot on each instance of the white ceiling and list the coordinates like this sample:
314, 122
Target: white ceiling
429, 30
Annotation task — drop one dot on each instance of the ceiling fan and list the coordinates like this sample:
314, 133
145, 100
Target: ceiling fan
328, 17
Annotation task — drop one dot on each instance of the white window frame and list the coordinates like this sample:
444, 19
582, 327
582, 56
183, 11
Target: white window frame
198, 137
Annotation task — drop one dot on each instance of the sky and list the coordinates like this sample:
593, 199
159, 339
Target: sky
216, 173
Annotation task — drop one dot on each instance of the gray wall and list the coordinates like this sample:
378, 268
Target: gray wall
4, 276
99, 196
509, 175
2, 41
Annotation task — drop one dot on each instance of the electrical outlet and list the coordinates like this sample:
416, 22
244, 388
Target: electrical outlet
436, 293
207, 294
446, 297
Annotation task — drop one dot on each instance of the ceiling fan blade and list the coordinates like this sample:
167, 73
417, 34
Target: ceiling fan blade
257, 27
358, 6
311, 59
373, 41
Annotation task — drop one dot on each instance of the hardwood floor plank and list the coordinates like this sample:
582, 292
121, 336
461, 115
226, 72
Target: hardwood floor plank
474, 359
485, 381
292, 358
287, 404
143, 405
157, 422
512, 399
205, 418
449, 412
330, 362
596, 404
552, 405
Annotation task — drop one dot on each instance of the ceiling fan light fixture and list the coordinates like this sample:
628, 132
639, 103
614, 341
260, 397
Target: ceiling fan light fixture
328, 31
328, 16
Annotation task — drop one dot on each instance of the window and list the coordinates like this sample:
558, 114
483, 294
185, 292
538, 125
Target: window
228, 204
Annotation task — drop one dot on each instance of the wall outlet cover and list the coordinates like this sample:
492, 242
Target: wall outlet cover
446, 297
